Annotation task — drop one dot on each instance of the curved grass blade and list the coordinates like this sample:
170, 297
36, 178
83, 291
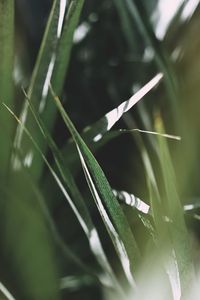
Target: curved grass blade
6, 81
82, 215
111, 212
77, 204
51, 65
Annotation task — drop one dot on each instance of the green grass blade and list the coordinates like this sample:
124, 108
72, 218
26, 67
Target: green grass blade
52, 64
27, 243
6, 81
65, 193
111, 212
77, 204
62, 58
177, 227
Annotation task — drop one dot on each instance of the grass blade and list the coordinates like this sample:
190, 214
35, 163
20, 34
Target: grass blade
26, 241
111, 213
77, 204
178, 230
138, 14
52, 64
6, 82
5, 292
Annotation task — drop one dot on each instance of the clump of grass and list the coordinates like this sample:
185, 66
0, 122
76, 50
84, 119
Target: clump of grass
121, 265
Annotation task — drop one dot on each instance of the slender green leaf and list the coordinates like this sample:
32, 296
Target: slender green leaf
111, 213
51, 65
27, 244
76, 201
178, 230
65, 193
6, 82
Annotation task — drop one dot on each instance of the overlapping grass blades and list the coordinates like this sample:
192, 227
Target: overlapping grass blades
6, 82
111, 212
93, 134
43, 207
75, 200
51, 64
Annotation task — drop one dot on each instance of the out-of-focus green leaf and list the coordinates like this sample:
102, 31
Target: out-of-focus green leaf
6, 82
27, 245
177, 226
111, 212
51, 65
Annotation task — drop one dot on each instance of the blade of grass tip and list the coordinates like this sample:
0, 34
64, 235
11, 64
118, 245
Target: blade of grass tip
110, 211
96, 131
6, 81
138, 14
5, 292
116, 133
78, 205
92, 235
178, 230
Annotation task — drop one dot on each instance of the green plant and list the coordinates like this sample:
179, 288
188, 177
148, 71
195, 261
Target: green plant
128, 240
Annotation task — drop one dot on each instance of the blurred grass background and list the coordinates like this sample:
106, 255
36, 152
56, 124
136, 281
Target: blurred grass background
118, 46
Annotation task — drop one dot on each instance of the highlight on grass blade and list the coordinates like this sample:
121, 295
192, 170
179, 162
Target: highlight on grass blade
133, 201
114, 115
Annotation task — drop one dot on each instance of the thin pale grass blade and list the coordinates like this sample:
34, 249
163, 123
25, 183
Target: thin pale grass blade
94, 133
66, 251
177, 226
6, 294
63, 190
6, 81
77, 204
109, 209
51, 65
